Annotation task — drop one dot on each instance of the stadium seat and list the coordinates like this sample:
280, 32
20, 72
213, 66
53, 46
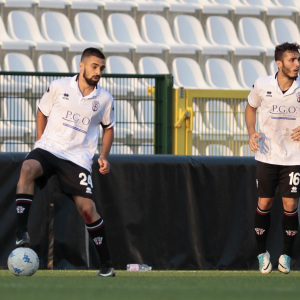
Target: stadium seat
119, 5
219, 115
152, 65
242, 8
19, 113
54, 4
195, 151
218, 150
254, 33
122, 65
21, 3
249, 70
220, 31
57, 27
200, 129
156, 29
212, 7
146, 114
152, 6
92, 5
23, 26
19, 62
8, 43
273, 9
273, 69
188, 31
125, 115
75, 63
88, 27
146, 148
288, 3
14, 146
219, 74
182, 7
120, 148
284, 30
123, 28
187, 73
52, 63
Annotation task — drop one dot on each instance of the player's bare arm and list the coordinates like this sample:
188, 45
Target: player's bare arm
41, 122
250, 117
107, 141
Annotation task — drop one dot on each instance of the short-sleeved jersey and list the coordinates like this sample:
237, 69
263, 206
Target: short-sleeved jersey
72, 130
279, 114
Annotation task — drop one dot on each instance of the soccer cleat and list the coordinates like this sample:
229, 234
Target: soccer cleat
265, 265
107, 272
284, 264
23, 240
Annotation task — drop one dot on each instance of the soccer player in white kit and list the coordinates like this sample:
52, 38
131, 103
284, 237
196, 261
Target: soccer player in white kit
277, 150
68, 120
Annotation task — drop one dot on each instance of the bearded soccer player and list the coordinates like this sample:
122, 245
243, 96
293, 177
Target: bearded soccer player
68, 120
277, 151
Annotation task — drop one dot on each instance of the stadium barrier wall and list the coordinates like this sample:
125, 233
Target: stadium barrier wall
171, 212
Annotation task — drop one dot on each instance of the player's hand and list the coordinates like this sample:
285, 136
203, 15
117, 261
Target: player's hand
104, 165
253, 144
295, 135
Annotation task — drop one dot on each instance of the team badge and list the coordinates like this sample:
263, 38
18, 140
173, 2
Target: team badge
95, 105
298, 97
291, 232
98, 240
20, 209
259, 231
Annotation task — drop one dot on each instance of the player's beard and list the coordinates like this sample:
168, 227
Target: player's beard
285, 71
90, 81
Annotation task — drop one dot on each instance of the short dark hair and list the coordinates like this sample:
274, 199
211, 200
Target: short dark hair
92, 52
280, 49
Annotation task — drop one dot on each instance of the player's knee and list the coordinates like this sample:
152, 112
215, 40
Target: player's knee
28, 172
88, 211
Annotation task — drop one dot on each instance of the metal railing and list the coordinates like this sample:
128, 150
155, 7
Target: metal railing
143, 107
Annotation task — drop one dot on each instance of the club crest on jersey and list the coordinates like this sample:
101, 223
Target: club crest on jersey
20, 209
298, 97
98, 240
95, 105
259, 231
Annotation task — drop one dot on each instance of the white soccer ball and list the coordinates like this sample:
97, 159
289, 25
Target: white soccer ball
23, 262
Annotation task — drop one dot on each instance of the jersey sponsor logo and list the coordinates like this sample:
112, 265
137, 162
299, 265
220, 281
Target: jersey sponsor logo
284, 112
88, 190
298, 97
291, 232
259, 231
20, 209
98, 240
78, 122
95, 105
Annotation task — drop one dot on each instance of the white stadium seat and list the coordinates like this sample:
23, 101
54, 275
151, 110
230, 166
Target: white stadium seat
254, 32
54, 4
92, 5
242, 8
52, 63
188, 31
273, 69
249, 70
88, 27
273, 9
57, 27
187, 74
219, 73
152, 65
212, 7
284, 30
218, 150
155, 29
220, 31
75, 63
123, 28
23, 25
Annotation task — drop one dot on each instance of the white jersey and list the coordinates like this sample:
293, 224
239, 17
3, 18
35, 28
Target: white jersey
72, 130
279, 114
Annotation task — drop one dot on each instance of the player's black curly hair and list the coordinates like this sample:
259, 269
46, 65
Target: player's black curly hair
280, 49
92, 52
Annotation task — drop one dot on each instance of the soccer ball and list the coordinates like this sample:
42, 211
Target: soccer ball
23, 262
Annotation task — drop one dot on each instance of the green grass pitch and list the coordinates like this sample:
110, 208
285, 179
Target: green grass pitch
84, 285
